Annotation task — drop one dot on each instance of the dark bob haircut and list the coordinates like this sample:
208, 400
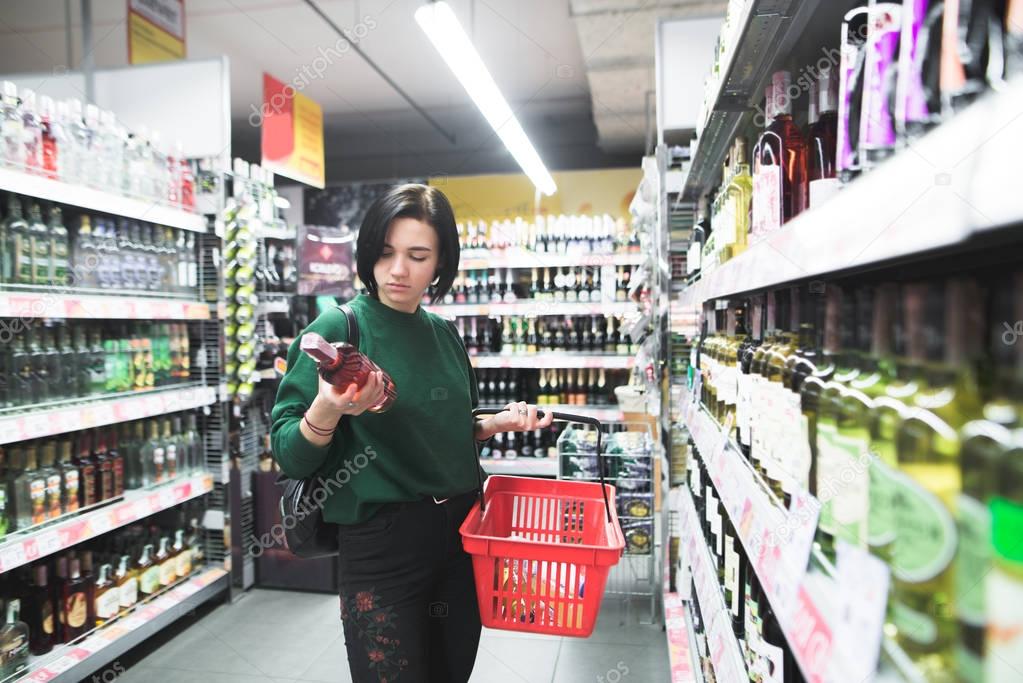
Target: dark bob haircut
424, 203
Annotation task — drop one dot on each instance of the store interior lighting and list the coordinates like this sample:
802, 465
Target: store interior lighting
443, 29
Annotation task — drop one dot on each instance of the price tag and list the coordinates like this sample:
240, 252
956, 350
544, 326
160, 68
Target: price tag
63, 664
133, 622
154, 405
862, 596
48, 543
142, 508
38, 425
102, 522
797, 531
167, 499
12, 557
42, 676
129, 409
810, 638
93, 645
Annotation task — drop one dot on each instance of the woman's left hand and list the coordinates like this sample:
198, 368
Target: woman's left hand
521, 417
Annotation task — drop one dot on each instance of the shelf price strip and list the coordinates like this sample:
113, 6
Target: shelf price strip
49, 540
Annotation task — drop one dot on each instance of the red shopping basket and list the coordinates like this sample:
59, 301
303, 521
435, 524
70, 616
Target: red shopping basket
541, 549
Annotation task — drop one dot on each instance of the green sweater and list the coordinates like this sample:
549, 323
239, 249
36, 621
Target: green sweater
422, 446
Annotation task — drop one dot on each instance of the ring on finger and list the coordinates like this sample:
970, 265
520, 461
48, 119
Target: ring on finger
351, 404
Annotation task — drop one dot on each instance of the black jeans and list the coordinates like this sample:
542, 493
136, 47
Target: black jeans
408, 599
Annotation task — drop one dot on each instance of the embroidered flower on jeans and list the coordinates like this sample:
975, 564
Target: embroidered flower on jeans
364, 601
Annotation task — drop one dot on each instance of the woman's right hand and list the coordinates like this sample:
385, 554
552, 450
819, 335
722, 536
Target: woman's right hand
351, 401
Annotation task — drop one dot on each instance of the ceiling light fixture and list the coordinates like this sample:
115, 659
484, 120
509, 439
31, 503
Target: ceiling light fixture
441, 26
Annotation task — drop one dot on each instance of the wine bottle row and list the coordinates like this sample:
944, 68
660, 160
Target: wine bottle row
540, 443
766, 653
900, 407
48, 478
521, 335
64, 597
899, 70
65, 360
592, 387
98, 252
564, 284
543, 234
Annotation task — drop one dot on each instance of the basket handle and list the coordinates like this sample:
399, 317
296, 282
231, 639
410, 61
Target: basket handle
565, 417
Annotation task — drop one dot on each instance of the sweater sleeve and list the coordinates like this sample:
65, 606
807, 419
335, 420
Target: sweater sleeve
298, 457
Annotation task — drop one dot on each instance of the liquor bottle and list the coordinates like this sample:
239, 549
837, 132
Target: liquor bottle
86, 558
58, 248
51, 371
29, 490
19, 244
148, 573
74, 603
127, 584
571, 282
170, 453
341, 364
624, 341
164, 559
104, 468
182, 555
39, 246
822, 141
14, 641
152, 455
97, 363
116, 459
51, 476
87, 475
39, 613
559, 286
107, 598
602, 389
928, 482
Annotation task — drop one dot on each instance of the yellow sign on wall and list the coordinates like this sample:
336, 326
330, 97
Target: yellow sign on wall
490, 197
156, 31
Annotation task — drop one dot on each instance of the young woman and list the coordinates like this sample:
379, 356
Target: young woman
408, 599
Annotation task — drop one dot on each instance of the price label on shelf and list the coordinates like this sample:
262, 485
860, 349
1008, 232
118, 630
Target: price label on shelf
862, 580
142, 508
48, 543
102, 522
12, 557
810, 638
133, 622
167, 498
61, 665
38, 425
93, 644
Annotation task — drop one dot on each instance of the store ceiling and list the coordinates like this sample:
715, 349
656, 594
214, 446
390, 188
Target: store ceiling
573, 71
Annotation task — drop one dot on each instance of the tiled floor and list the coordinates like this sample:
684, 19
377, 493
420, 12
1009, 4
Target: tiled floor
270, 635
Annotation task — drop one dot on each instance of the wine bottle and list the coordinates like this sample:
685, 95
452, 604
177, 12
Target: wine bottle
341, 364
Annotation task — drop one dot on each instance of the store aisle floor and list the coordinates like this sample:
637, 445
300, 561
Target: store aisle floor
271, 635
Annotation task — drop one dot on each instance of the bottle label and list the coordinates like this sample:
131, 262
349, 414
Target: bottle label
75, 609
766, 200
53, 496
150, 580
926, 532
37, 495
1004, 591
973, 558
774, 662
129, 592
916, 626
46, 616
183, 563
881, 518
107, 604
71, 488
168, 571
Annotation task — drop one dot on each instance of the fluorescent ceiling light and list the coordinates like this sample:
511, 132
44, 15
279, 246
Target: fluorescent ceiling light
441, 26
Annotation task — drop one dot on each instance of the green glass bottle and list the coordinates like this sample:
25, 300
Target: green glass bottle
816, 372
51, 340
18, 246
60, 248
929, 480
39, 237
97, 363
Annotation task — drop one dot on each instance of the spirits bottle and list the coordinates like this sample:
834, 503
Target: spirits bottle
152, 456
13, 149
75, 603
106, 598
341, 364
127, 584
29, 490
182, 555
877, 119
165, 561
39, 614
928, 482
14, 641
822, 141
58, 248
97, 363
116, 459
740, 197
51, 361
104, 468
170, 442
51, 475
782, 161
19, 244
148, 573
87, 475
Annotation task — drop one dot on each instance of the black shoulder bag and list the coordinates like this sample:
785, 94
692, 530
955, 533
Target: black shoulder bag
309, 535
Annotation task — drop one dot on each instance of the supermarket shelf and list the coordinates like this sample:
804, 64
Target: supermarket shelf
602, 413
100, 411
765, 30
98, 200
805, 603
725, 654
524, 467
267, 307
278, 233
530, 307
18, 550
554, 360
952, 182
75, 662
61, 304
516, 258
677, 627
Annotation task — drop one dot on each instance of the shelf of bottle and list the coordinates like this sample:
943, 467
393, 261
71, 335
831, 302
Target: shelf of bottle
608, 413
779, 544
554, 360
83, 197
272, 306
948, 189
524, 467
521, 258
765, 30
75, 661
532, 308
725, 654
61, 304
278, 232
22, 548
100, 411
677, 628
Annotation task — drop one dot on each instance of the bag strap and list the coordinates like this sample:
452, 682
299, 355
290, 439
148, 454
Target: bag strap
476, 461
353, 324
